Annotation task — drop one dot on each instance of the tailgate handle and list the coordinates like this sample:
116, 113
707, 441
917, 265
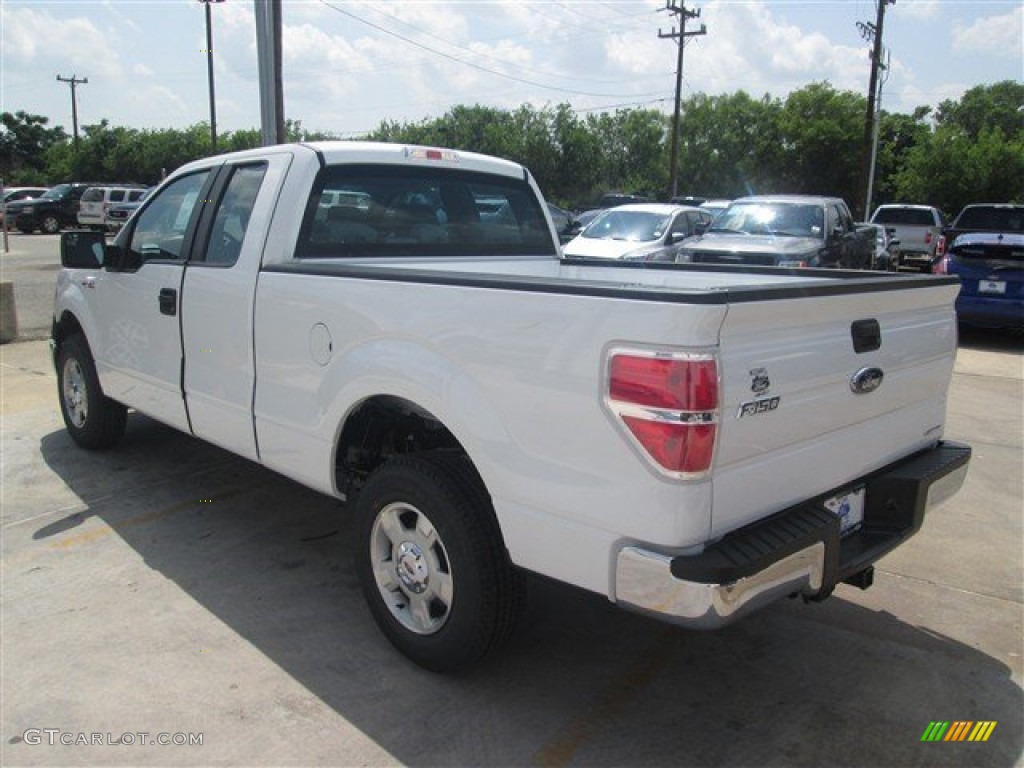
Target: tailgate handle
867, 335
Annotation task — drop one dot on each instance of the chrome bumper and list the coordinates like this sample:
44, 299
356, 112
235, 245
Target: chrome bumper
797, 551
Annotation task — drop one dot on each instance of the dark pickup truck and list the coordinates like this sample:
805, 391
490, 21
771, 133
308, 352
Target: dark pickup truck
52, 211
784, 231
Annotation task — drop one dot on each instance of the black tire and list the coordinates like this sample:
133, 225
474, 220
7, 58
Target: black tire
93, 420
50, 224
433, 566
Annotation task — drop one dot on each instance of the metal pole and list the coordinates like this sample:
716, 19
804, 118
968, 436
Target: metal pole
209, 76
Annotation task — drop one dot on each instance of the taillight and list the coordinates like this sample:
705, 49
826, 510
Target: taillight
668, 404
940, 247
927, 238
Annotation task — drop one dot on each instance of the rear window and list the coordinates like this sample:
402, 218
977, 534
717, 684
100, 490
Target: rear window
92, 195
991, 218
363, 210
914, 217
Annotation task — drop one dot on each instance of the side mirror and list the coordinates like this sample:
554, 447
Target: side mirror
700, 229
82, 249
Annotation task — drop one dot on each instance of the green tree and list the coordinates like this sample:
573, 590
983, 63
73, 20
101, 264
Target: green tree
24, 140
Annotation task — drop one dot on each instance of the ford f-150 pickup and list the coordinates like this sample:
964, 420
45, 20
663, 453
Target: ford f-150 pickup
784, 231
393, 326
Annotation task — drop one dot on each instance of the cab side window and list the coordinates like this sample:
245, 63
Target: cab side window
160, 230
231, 220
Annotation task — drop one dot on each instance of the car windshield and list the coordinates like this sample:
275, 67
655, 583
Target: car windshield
786, 219
635, 226
55, 193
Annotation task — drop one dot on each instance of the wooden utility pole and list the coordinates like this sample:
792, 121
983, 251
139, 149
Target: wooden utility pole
73, 81
873, 33
680, 37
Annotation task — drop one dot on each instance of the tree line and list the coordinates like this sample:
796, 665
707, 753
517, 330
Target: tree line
962, 151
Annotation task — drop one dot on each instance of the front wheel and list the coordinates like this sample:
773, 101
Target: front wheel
432, 562
93, 420
50, 224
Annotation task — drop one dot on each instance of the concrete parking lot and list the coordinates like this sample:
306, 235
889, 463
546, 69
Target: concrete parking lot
166, 591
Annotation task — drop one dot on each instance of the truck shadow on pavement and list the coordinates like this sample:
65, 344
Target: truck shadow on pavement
581, 682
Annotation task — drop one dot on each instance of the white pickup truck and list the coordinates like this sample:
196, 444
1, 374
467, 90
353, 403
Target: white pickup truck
393, 326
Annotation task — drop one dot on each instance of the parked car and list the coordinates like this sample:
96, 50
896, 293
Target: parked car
118, 214
918, 228
14, 194
990, 266
50, 212
887, 253
984, 217
96, 201
784, 231
565, 223
642, 232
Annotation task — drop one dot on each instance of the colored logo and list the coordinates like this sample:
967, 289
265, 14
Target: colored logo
959, 730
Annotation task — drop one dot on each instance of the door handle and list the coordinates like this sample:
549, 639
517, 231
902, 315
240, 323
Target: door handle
168, 301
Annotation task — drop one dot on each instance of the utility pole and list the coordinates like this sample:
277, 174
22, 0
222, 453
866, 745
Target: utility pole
874, 137
268, 56
73, 81
871, 33
209, 73
673, 6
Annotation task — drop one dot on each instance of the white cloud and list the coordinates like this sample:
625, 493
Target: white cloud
917, 9
59, 43
993, 36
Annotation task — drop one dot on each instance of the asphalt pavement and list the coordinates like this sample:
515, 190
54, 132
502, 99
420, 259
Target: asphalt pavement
167, 603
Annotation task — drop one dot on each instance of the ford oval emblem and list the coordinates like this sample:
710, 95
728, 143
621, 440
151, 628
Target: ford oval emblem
866, 380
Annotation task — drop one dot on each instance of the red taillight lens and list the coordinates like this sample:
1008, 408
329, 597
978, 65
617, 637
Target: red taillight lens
927, 238
685, 385
940, 247
669, 406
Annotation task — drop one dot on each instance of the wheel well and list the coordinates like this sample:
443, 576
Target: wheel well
68, 325
381, 427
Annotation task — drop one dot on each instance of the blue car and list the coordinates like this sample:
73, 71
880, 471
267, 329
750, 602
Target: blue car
991, 270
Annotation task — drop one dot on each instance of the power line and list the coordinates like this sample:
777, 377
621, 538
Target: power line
478, 67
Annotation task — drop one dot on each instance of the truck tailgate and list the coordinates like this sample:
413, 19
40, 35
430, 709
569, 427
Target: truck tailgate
820, 390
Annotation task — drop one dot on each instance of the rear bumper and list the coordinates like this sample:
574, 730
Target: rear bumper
1002, 312
796, 551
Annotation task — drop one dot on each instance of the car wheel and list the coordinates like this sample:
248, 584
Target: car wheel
432, 562
50, 225
93, 420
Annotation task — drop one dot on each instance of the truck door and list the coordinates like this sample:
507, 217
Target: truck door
217, 302
139, 354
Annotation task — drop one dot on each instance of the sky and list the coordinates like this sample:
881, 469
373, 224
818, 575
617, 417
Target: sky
348, 65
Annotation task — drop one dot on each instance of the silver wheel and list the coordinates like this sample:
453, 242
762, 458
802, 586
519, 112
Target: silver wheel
411, 568
51, 225
76, 399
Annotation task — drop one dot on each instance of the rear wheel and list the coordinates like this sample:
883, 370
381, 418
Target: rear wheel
432, 563
93, 420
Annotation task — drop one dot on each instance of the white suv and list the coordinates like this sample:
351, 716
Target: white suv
92, 209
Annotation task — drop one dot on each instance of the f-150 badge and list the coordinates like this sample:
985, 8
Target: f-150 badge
756, 407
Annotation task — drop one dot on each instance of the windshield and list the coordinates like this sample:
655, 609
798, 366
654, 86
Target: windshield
55, 193
635, 226
786, 219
